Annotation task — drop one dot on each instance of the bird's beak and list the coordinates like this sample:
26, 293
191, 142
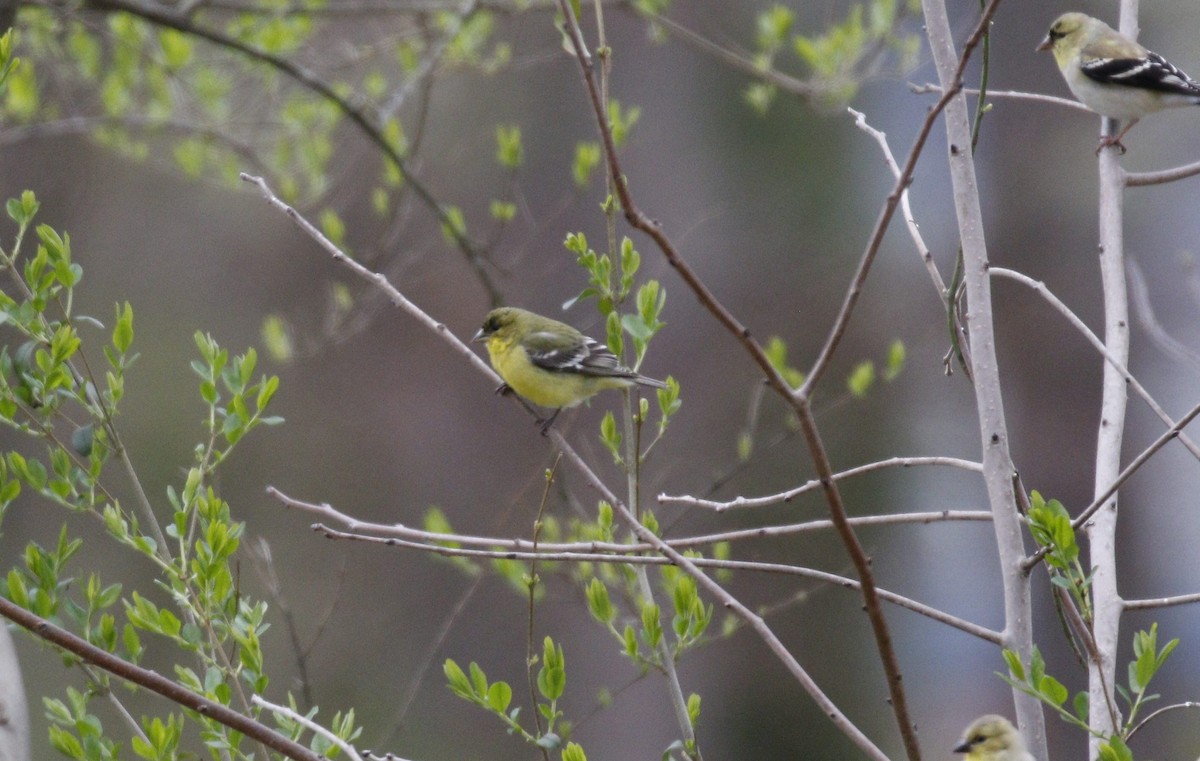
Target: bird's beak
1045, 44
965, 746
479, 336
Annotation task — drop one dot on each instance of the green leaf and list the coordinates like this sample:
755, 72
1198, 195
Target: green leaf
610, 437
861, 379
693, 708
122, 337
895, 361
599, 604
509, 152
573, 752
478, 679
499, 695
457, 680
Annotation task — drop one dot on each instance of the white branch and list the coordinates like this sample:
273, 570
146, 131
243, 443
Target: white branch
787, 496
14, 714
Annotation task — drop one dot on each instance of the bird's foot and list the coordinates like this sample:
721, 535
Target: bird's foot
503, 389
1111, 140
545, 424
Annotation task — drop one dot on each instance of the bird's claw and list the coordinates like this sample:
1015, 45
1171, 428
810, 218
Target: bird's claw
545, 424
503, 389
1112, 140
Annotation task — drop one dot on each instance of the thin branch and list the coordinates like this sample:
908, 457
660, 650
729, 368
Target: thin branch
504, 544
1162, 602
1040, 288
1142, 179
150, 680
914, 230
546, 556
1159, 712
379, 280
790, 494
1036, 97
308, 724
1133, 467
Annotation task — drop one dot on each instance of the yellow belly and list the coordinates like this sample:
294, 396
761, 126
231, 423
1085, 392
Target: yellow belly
544, 387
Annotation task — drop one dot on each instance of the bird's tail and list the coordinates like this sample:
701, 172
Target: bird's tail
642, 380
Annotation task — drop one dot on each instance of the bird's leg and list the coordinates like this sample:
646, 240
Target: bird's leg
549, 421
1109, 140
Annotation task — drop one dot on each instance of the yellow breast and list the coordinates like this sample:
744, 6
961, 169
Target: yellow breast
543, 387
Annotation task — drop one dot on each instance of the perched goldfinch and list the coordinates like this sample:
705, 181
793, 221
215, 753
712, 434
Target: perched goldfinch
992, 738
549, 362
1113, 75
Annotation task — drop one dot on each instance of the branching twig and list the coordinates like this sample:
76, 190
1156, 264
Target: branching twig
790, 494
1133, 467
1041, 289
503, 544
547, 556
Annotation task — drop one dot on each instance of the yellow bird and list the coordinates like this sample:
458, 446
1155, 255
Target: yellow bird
551, 363
1114, 75
992, 738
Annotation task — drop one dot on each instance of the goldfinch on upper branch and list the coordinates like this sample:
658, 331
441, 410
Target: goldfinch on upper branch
1113, 75
992, 738
549, 362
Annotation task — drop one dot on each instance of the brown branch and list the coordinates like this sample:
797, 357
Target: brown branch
799, 399
155, 683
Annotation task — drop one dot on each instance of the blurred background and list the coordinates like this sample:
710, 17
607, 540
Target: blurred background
773, 211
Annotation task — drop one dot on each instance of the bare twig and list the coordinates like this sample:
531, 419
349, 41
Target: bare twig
546, 556
1162, 602
1036, 97
1161, 177
790, 494
377, 279
1159, 712
1041, 289
310, 725
914, 230
1133, 467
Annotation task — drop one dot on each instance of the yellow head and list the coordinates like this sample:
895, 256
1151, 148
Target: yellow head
1065, 35
992, 738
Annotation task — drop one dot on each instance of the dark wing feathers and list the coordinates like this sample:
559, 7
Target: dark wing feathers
586, 356
1151, 73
